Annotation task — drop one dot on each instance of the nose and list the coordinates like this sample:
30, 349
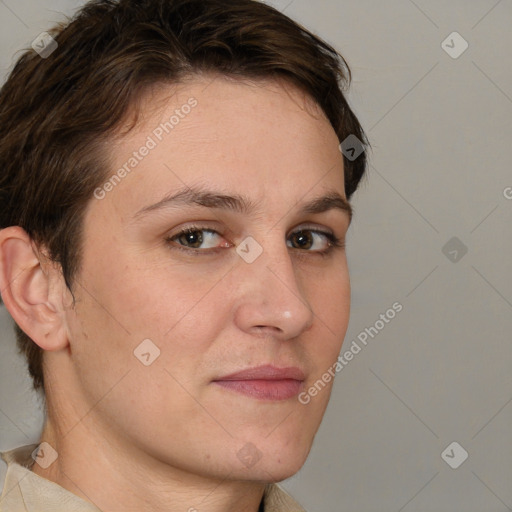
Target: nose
272, 299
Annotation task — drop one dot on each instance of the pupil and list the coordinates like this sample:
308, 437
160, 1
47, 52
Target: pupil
193, 238
304, 239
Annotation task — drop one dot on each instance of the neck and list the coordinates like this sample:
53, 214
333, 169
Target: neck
104, 472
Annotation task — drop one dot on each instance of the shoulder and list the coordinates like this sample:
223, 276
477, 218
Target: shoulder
278, 500
25, 491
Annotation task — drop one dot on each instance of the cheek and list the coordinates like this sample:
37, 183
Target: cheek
330, 301
131, 302
329, 296
107, 329
146, 295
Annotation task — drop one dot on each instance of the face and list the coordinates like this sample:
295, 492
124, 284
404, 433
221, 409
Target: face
176, 294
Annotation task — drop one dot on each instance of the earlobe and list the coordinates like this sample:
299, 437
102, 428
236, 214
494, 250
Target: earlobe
25, 288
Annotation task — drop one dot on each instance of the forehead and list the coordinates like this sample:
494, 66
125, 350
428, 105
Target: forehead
267, 139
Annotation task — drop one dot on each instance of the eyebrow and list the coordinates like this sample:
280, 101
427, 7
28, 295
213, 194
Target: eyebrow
188, 196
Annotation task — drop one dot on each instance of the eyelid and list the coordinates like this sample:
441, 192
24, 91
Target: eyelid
311, 227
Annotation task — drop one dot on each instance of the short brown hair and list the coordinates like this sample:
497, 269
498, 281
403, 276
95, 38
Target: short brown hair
57, 112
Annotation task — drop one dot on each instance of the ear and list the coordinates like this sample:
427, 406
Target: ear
26, 281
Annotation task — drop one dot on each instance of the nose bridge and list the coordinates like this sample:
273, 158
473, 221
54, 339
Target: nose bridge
273, 297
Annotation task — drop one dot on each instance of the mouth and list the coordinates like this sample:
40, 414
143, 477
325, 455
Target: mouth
264, 389
265, 382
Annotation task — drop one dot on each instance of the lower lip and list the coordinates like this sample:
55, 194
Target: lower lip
264, 389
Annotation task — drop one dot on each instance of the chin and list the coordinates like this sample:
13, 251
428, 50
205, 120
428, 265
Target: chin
273, 473
274, 464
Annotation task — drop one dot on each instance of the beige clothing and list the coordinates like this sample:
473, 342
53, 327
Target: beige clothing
24, 491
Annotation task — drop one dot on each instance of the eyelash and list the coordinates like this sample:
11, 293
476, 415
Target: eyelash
333, 241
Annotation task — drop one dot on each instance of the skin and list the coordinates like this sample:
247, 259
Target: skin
164, 436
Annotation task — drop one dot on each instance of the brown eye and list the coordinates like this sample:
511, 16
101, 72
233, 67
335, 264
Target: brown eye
192, 239
302, 240
198, 239
314, 241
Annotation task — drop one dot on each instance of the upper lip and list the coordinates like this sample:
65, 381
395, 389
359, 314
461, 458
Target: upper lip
266, 372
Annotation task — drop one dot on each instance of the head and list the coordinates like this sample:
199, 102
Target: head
171, 185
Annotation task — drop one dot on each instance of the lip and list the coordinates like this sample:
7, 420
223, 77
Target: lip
266, 372
265, 382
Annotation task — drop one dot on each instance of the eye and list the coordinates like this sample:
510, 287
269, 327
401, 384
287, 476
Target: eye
314, 240
204, 240
197, 238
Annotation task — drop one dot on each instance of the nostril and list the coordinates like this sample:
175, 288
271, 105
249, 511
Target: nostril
267, 330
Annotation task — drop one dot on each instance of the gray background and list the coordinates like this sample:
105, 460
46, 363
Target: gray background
440, 370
